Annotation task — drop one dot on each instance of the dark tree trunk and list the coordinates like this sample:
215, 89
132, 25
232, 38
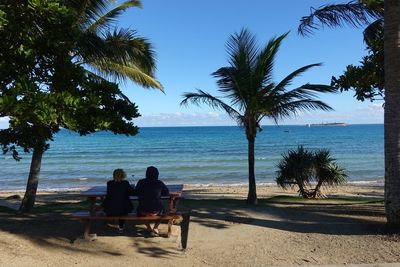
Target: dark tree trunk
317, 189
33, 180
392, 111
252, 195
303, 192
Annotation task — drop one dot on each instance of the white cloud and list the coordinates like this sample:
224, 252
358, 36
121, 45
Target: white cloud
372, 113
184, 119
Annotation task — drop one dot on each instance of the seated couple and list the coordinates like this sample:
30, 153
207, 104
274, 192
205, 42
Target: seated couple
148, 190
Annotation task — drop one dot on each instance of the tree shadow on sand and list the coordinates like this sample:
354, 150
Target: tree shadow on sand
331, 219
50, 225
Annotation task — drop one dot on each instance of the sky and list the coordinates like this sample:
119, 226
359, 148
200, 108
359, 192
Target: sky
189, 39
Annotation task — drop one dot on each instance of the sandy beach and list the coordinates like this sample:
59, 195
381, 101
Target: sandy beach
346, 229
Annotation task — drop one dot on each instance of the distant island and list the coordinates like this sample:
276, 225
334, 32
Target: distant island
328, 124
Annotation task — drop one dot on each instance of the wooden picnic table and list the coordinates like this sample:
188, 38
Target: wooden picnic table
99, 192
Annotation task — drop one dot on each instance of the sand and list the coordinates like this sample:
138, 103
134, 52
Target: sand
222, 233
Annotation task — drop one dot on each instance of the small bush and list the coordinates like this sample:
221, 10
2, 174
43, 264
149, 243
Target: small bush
302, 167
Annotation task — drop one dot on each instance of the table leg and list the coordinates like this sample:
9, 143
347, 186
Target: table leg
92, 201
173, 201
86, 229
171, 206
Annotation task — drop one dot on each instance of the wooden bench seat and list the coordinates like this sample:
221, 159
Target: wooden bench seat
86, 217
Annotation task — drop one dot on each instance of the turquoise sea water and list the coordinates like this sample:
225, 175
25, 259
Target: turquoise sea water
195, 155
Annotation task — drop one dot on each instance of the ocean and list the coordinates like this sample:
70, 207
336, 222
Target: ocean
194, 155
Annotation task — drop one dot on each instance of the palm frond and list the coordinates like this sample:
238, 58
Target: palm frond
126, 46
280, 105
110, 16
265, 61
373, 32
202, 97
354, 13
122, 72
131, 56
287, 110
242, 49
88, 11
230, 82
281, 86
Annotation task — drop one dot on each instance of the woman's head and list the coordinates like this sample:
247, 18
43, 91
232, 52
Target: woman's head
119, 175
152, 173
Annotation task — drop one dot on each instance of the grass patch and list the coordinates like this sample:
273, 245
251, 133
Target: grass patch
332, 200
241, 203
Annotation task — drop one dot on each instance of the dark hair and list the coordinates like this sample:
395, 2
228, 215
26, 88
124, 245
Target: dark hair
152, 173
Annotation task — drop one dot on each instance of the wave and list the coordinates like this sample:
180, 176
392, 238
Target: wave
367, 183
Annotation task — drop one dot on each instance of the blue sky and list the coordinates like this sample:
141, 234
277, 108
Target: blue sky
189, 39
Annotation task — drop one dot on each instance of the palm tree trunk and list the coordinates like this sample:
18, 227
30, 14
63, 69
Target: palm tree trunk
317, 189
392, 111
303, 192
252, 195
31, 187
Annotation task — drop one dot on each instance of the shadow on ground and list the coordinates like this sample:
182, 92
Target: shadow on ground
50, 226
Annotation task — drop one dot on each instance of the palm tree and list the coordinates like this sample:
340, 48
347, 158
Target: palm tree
107, 52
327, 172
392, 112
247, 83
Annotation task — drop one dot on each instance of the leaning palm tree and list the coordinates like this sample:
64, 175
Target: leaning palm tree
110, 51
247, 83
358, 13
366, 78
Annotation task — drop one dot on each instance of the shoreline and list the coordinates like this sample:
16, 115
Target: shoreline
223, 192
359, 183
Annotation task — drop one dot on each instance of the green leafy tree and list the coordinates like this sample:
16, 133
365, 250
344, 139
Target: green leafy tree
248, 84
49, 81
302, 167
366, 79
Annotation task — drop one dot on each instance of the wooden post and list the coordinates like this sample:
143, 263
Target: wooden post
170, 227
185, 229
86, 229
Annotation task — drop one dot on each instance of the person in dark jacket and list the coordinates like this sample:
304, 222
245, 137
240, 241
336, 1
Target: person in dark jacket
149, 191
117, 202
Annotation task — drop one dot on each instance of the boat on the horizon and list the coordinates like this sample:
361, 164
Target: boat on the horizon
328, 124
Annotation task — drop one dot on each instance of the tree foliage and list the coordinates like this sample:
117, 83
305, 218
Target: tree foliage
249, 93
53, 65
367, 78
301, 167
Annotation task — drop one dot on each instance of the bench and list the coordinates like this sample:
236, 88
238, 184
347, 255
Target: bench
86, 217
